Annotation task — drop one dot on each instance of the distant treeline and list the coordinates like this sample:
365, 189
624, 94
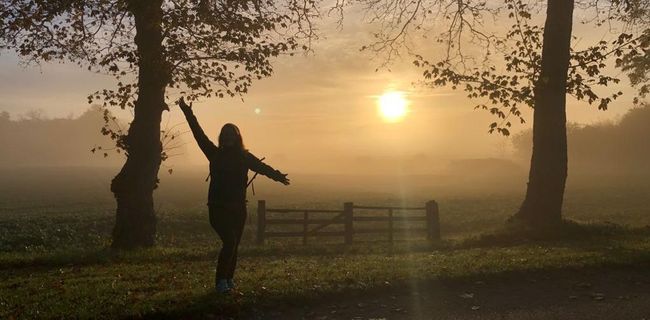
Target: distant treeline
621, 147
35, 140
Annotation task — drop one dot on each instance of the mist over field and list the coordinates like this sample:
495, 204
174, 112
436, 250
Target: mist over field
608, 181
37, 141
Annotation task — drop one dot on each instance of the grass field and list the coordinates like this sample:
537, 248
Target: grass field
55, 263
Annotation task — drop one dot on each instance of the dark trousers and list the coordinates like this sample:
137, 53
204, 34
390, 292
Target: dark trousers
228, 221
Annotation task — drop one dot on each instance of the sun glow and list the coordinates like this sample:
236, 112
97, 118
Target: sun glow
392, 106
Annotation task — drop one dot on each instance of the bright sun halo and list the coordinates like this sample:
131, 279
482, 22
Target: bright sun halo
392, 106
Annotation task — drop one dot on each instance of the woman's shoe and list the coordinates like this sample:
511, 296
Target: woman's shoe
222, 286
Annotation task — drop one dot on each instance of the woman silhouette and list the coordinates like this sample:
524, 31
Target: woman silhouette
229, 165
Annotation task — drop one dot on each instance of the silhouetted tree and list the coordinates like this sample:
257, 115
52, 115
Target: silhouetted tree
548, 165
525, 65
198, 47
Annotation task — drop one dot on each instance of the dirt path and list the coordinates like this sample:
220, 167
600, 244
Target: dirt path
619, 293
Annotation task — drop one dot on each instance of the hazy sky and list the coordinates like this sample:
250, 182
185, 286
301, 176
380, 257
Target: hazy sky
314, 110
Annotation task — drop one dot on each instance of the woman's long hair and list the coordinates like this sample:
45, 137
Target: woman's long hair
239, 141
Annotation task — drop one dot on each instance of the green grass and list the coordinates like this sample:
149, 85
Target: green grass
169, 281
54, 261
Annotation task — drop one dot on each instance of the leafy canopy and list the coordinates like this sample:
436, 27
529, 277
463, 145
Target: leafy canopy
210, 47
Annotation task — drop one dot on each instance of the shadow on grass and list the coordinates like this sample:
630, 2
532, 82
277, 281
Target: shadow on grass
629, 264
209, 306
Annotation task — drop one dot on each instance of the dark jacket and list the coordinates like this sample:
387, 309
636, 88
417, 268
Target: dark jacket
228, 167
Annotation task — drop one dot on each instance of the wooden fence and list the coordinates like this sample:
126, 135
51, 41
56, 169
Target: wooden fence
347, 218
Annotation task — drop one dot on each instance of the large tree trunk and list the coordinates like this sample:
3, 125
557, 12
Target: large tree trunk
548, 166
135, 223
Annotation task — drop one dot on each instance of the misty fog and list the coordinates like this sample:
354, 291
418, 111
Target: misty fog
49, 160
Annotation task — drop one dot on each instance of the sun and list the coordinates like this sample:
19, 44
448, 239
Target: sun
392, 106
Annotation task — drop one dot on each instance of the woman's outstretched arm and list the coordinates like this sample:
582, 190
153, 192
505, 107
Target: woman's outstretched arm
204, 143
260, 167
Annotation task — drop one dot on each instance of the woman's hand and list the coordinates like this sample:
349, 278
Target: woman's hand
284, 180
184, 107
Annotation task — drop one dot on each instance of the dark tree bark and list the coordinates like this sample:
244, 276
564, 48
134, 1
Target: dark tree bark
135, 224
548, 169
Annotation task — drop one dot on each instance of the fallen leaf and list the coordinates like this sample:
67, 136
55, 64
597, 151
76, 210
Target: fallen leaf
598, 296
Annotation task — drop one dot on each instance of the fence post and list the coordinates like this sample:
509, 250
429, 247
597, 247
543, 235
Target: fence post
348, 212
261, 221
433, 220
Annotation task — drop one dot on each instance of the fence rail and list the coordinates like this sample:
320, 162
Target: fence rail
347, 218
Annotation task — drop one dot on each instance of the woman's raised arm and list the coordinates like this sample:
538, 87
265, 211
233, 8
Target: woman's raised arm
203, 141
